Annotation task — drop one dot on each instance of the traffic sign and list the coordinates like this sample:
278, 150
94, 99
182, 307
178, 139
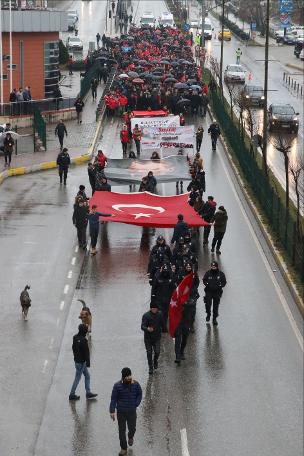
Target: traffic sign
186, 27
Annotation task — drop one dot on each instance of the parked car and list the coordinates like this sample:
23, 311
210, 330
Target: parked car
194, 23
74, 43
234, 73
226, 35
290, 38
298, 48
283, 117
254, 94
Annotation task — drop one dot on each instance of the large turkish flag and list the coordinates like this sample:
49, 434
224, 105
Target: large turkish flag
146, 209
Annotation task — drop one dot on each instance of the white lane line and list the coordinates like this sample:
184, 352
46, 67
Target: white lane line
73, 261
61, 305
76, 248
66, 289
265, 261
70, 273
51, 343
57, 321
45, 366
184, 440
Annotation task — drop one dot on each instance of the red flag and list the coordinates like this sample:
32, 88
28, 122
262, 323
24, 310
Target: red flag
178, 299
146, 209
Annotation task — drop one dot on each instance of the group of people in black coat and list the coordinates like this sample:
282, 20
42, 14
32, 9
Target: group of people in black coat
167, 267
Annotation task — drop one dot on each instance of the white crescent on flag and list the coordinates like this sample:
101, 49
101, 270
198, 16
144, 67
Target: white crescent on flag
138, 215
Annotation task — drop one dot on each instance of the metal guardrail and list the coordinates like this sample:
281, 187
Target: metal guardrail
28, 107
107, 88
295, 86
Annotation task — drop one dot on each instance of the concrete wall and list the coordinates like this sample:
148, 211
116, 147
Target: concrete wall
35, 21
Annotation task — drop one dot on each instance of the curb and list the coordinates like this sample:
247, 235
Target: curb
295, 67
267, 236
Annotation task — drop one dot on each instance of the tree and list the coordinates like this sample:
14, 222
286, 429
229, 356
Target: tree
63, 53
283, 144
233, 91
296, 168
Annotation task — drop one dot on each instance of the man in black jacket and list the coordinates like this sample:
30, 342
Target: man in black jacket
162, 289
60, 130
180, 229
63, 162
207, 212
80, 220
214, 281
152, 324
82, 363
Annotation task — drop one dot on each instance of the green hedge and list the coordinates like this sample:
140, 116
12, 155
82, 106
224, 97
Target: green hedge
234, 28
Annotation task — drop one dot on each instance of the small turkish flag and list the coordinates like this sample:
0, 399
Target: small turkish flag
178, 299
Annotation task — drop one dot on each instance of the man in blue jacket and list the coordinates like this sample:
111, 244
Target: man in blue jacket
126, 397
93, 218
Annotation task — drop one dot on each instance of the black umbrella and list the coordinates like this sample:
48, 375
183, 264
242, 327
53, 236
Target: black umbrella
149, 76
102, 58
183, 102
156, 77
179, 85
170, 80
154, 61
133, 74
165, 62
142, 62
158, 71
186, 62
112, 61
174, 64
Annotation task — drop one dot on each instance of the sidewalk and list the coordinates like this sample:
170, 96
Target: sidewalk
79, 140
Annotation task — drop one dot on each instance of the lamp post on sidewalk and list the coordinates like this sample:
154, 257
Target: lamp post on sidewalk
265, 109
222, 48
1, 58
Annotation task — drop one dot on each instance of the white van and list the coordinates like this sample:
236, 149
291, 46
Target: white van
167, 20
148, 19
208, 28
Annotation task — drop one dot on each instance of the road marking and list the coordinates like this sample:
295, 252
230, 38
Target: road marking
51, 343
76, 248
265, 261
61, 305
70, 273
73, 261
66, 289
57, 321
184, 440
45, 366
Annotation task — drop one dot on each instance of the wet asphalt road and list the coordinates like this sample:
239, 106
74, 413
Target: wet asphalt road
240, 391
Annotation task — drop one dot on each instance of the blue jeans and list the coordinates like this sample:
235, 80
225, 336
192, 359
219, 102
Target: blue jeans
81, 368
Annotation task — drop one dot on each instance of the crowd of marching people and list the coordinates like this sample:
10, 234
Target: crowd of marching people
156, 71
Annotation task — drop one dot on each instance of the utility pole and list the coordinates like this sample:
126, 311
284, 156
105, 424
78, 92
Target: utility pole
222, 48
203, 23
265, 110
1, 58
11, 45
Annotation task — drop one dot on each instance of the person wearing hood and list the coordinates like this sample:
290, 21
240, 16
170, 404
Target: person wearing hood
152, 324
126, 397
152, 182
25, 301
207, 212
161, 246
81, 353
219, 221
63, 162
214, 281
80, 221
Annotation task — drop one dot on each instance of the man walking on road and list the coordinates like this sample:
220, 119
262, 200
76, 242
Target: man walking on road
79, 104
60, 130
63, 162
207, 212
152, 324
80, 220
94, 226
98, 37
137, 138
214, 281
126, 397
219, 221
82, 363
180, 229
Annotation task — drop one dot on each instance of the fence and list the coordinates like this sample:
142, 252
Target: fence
101, 104
283, 223
295, 86
39, 126
23, 108
85, 83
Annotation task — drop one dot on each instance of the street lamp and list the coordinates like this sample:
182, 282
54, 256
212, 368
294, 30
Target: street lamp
222, 48
265, 108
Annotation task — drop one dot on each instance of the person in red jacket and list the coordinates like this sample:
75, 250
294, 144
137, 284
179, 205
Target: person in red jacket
122, 102
182, 120
101, 159
124, 138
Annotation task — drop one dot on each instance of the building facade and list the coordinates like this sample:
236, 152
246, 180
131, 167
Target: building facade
35, 51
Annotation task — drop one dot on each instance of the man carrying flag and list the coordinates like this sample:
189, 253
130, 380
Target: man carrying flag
180, 316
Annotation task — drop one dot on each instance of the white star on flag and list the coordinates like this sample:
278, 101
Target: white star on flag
140, 214
173, 304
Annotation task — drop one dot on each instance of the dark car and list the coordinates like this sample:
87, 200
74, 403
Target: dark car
254, 94
298, 48
283, 117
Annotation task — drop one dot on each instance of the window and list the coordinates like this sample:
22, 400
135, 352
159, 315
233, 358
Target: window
4, 77
51, 67
14, 66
